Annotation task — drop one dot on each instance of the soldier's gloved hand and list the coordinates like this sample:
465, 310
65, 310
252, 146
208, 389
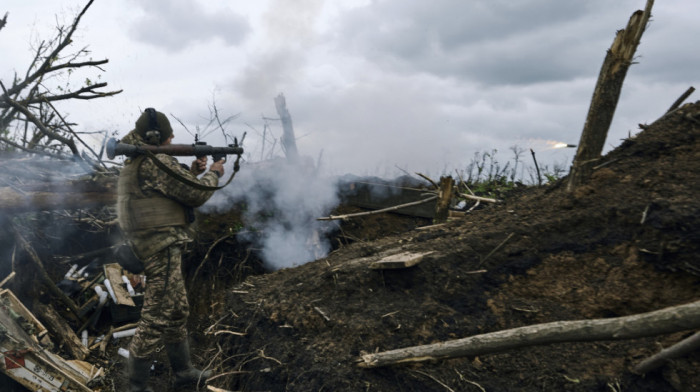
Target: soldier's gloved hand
199, 165
218, 167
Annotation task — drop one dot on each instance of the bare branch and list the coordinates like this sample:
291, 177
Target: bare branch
394, 208
3, 21
74, 133
29, 150
31, 117
48, 60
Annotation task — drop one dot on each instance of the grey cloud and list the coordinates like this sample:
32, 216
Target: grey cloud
487, 41
178, 24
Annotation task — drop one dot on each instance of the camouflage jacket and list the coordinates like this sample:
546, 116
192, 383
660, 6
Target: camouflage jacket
156, 184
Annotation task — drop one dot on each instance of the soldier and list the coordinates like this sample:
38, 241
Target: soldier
154, 210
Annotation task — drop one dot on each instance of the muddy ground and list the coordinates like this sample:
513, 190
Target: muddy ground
626, 242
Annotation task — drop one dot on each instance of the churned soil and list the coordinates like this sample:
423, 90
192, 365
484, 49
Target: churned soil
626, 242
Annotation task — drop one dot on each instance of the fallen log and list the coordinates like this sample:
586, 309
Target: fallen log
69, 195
63, 333
663, 321
685, 346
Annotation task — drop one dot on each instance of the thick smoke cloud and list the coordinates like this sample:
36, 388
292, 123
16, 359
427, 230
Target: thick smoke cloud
280, 204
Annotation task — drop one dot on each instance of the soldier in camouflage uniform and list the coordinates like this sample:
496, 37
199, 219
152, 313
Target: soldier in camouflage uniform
154, 210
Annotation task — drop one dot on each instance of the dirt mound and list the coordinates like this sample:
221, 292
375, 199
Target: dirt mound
625, 243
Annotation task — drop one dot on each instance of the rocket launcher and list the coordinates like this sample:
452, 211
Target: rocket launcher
114, 148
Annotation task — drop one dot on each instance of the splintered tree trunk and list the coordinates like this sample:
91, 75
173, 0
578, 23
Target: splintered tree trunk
442, 209
61, 331
663, 321
288, 139
606, 95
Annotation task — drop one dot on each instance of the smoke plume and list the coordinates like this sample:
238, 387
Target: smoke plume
280, 203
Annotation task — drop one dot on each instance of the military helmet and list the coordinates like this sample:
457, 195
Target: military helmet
153, 126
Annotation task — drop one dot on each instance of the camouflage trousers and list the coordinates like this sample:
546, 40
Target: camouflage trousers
165, 308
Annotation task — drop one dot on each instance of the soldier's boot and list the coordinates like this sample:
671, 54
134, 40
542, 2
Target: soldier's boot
185, 373
139, 370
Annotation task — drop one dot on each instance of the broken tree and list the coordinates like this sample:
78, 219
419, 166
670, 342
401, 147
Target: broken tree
605, 96
288, 139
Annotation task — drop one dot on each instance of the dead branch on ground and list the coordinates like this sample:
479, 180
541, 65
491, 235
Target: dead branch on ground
663, 321
685, 346
479, 198
398, 207
495, 250
680, 99
206, 257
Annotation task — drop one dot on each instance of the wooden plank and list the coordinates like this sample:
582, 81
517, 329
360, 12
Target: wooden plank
22, 310
399, 260
29, 364
113, 272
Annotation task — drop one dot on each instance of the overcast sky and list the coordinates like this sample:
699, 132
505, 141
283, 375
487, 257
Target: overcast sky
372, 85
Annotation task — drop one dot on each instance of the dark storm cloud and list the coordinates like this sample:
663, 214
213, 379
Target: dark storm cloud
487, 41
177, 24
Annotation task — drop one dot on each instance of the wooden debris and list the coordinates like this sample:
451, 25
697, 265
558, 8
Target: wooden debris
479, 198
336, 217
322, 313
288, 139
31, 365
7, 279
215, 389
51, 196
105, 340
113, 273
44, 275
400, 260
685, 346
9, 297
680, 99
61, 331
442, 207
430, 227
125, 327
606, 95
663, 321
495, 250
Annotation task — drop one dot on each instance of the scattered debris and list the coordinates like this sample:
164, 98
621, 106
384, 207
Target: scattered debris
26, 359
400, 260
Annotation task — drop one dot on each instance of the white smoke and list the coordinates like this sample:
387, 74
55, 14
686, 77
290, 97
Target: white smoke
279, 203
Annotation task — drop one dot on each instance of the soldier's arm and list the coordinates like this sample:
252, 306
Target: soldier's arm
156, 179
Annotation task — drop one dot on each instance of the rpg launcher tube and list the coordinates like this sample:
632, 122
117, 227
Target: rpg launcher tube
115, 148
